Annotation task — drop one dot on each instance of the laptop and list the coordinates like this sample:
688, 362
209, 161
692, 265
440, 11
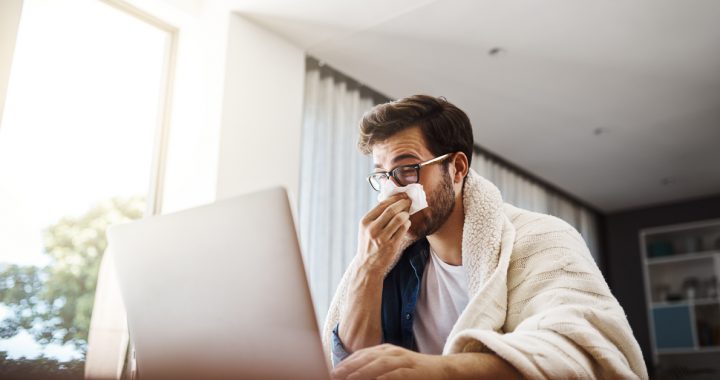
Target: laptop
219, 291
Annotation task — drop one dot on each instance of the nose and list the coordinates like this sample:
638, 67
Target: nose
395, 182
389, 182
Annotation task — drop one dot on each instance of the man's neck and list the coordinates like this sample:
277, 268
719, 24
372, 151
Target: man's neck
447, 241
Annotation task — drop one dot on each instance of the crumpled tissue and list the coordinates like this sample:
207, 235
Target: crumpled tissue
414, 191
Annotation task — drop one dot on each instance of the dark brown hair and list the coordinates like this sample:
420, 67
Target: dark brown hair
445, 127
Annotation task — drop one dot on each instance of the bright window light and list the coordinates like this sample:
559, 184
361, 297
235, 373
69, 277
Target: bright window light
82, 110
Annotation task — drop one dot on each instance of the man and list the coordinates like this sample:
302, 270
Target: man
468, 287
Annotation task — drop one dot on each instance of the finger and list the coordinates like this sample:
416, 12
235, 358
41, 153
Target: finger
378, 225
398, 374
402, 230
377, 367
380, 207
356, 360
376, 361
359, 358
394, 225
390, 212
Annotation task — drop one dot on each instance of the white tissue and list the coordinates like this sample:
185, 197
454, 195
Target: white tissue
414, 191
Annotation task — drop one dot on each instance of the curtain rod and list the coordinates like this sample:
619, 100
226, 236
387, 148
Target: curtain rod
312, 63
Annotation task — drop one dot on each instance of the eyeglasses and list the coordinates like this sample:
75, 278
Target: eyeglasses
403, 175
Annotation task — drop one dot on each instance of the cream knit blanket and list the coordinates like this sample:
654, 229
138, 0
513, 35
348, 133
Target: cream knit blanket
537, 298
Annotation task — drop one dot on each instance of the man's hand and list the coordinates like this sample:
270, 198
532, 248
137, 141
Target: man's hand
392, 362
382, 237
382, 234
387, 361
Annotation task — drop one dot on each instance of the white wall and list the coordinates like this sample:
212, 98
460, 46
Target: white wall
236, 107
194, 138
9, 20
262, 111
201, 29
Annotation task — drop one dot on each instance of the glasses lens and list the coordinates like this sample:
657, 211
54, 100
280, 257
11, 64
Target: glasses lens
406, 175
376, 181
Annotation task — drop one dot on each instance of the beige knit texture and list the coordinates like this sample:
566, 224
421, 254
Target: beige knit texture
537, 298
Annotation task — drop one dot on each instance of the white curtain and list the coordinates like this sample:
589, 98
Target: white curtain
333, 194
523, 192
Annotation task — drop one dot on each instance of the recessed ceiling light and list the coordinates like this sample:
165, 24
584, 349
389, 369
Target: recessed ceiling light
496, 51
667, 181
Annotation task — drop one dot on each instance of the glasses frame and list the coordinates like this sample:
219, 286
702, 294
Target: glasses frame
393, 173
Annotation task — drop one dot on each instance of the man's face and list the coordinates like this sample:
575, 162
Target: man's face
407, 148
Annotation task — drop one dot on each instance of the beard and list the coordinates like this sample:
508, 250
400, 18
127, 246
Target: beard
441, 202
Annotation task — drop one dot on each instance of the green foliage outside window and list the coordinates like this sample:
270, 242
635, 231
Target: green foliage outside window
54, 303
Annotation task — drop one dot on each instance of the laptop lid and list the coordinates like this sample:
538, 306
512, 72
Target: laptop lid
219, 291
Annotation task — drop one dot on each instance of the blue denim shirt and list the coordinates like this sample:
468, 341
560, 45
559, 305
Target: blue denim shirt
401, 289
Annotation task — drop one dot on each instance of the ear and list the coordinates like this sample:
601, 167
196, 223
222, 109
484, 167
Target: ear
460, 164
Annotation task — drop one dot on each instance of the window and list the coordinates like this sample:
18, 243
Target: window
81, 147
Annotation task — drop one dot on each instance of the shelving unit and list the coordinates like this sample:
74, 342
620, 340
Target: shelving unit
681, 266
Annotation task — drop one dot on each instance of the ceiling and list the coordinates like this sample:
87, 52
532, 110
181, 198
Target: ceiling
615, 102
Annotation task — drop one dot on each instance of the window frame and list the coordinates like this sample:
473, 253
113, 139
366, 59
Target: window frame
108, 327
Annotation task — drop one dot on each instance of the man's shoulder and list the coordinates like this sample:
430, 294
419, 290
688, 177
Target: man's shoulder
546, 244
538, 232
531, 222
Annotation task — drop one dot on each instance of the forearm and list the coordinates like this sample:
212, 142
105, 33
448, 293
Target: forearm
474, 365
360, 324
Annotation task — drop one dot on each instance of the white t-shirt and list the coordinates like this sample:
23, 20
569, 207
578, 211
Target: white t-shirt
443, 296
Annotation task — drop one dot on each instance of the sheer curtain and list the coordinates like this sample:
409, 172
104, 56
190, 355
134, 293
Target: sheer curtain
333, 192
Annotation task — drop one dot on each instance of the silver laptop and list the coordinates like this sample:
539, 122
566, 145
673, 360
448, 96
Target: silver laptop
219, 291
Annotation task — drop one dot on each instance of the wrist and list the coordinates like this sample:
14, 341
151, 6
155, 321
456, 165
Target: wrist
370, 270
473, 365
446, 368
